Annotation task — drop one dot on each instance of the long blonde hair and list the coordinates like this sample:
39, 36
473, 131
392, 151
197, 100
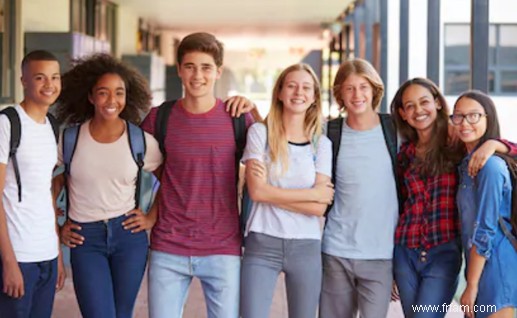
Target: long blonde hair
276, 136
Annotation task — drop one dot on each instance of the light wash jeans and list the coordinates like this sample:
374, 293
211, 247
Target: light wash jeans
170, 276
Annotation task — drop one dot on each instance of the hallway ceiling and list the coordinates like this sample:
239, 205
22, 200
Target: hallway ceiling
237, 15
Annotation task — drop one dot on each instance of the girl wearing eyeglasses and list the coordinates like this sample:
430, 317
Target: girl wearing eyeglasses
482, 201
427, 254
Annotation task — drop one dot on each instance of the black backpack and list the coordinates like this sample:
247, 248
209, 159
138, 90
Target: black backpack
16, 135
511, 163
334, 131
239, 131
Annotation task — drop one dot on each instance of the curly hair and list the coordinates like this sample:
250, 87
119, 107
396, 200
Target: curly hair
73, 105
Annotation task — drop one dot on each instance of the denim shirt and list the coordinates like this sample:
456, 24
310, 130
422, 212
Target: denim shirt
481, 201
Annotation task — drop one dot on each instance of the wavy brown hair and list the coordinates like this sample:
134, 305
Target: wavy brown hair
73, 105
277, 139
440, 156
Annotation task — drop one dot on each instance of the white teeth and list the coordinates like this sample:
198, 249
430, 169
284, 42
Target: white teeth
48, 93
111, 110
297, 101
421, 117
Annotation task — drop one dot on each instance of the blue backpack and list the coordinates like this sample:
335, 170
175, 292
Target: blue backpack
136, 143
16, 135
239, 131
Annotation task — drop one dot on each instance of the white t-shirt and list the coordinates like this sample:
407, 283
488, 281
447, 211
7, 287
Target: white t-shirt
103, 176
304, 163
31, 222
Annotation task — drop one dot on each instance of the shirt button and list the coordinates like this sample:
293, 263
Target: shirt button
424, 253
423, 259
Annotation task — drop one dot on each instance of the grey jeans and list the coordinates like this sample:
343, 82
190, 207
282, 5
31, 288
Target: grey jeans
264, 258
351, 286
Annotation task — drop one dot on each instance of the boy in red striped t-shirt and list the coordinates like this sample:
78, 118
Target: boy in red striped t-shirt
197, 229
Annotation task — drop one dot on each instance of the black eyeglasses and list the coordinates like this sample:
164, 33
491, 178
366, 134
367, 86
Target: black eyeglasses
472, 118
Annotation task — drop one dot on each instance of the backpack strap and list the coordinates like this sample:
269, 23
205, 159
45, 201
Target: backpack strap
511, 164
137, 144
16, 133
239, 131
334, 131
55, 125
160, 125
70, 137
508, 233
390, 137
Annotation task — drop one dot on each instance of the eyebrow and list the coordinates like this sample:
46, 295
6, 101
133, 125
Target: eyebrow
107, 88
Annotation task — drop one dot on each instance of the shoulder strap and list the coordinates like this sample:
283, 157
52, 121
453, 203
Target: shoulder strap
239, 131
16, 134
55, 125
390, 136
334, 131
138, 147
511, 164
162, 119
70, 137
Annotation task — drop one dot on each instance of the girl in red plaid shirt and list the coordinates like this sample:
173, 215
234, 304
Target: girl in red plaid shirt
427, 256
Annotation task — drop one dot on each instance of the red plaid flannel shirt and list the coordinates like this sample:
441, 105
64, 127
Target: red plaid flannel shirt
429, 214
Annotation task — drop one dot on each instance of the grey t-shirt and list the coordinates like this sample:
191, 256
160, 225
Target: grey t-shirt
304, 162
361, 224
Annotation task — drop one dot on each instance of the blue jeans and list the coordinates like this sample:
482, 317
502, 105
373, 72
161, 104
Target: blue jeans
265, 257
427, 277
39, 280
108, 268
170, 277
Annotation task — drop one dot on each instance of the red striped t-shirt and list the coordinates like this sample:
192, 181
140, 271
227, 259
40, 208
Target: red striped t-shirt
198, 213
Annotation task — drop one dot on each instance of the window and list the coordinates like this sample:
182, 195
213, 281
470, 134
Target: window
502, 59
7, 29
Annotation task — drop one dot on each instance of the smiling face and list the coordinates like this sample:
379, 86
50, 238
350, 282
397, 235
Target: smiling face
419, 108
108, 96
198, 73
470, 133
357, 95
41, 82
298, 92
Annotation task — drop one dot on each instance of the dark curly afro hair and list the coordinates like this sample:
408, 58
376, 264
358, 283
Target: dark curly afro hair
73, 105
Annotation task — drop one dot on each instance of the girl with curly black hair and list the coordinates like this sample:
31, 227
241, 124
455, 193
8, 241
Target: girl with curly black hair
105, 230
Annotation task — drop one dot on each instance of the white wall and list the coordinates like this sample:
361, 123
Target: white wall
392, 82
46, 16
417, 38
127, 31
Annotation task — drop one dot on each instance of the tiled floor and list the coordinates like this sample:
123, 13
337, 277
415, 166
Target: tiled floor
66, 305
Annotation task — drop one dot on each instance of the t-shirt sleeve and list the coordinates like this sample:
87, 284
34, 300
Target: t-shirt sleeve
255, 143
5, 139
324, 156
153, 156
148, 123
